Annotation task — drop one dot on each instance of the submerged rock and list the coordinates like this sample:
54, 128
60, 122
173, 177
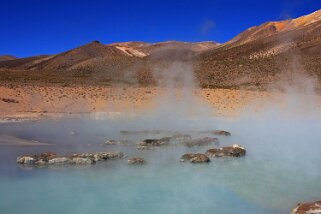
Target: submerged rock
181, 137
141, 147
202, 142
217, 132
136, 161
229, 151
147, 132
76, 159
308, 208
8, 140
195, 158
118, 142
150, 143
73, 133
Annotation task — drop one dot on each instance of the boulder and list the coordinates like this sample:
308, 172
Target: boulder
202, 142
195, 158
228, 151
136, 161
308, 208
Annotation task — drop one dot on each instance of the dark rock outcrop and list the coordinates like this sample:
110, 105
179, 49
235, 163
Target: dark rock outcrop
228, 151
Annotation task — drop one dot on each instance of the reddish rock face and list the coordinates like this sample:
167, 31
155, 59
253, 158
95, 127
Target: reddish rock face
308, 208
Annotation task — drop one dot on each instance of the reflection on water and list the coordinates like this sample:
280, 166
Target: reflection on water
281, 168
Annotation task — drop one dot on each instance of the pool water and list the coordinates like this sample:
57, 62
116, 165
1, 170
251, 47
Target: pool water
281, 168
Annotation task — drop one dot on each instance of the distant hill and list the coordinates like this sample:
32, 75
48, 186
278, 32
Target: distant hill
253, 59
7, 57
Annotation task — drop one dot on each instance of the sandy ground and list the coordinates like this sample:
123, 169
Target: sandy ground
27, 102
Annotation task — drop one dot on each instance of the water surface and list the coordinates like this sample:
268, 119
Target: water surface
282, 167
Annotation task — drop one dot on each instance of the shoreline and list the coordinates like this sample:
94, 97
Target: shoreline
39, 102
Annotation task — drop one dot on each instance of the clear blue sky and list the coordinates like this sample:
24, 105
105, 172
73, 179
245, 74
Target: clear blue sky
33, 27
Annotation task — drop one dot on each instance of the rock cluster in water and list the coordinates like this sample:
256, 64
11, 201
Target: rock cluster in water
182, 138
228, 151
147, 144
308, 208
50, 158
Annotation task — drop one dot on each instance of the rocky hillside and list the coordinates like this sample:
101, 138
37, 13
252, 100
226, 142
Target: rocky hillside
261, 55
255, 58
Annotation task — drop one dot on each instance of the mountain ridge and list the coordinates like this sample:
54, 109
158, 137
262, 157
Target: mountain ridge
255, 56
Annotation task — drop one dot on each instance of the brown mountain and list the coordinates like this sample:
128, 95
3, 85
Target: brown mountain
254, 58
260, 55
